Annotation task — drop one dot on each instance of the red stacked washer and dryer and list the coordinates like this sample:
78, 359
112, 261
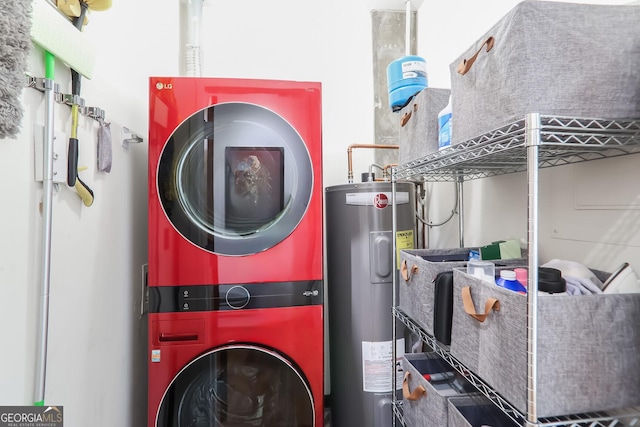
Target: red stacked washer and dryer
235, 253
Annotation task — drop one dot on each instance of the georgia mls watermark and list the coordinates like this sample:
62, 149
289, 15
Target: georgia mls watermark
31, 416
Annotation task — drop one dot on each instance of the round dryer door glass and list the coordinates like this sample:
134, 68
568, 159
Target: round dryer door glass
235, 179
238, 386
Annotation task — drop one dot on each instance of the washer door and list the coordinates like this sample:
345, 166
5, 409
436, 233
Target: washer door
238, 386
235, 179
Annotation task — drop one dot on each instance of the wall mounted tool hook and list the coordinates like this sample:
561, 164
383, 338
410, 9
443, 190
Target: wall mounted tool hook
128, 137
95, 113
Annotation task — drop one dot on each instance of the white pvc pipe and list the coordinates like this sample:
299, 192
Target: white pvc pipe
194, 35
386, 4
407, 29
47, 214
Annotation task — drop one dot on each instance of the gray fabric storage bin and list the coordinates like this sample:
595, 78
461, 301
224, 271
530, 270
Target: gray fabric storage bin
430, 408
422, 266
476, 411
553, 58
416, 295
465, 331
418, 134
588, 347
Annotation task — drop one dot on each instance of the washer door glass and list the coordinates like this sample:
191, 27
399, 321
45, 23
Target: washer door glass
235, 179
238, 386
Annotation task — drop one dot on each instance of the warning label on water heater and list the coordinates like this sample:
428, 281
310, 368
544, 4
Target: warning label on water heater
377, 365
404, 240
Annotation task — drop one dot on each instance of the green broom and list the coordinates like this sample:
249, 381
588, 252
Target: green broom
47, 199
51, 31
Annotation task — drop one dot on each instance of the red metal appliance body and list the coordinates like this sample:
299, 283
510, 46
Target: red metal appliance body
179, 341
197, 246
235, 253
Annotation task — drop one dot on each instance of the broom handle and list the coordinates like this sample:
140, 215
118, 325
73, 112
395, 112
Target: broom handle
47, 210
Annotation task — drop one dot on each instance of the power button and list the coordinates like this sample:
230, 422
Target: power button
237, 297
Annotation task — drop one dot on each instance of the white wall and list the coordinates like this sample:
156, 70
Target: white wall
96, 364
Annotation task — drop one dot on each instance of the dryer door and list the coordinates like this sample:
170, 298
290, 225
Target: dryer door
235, 179
238, 386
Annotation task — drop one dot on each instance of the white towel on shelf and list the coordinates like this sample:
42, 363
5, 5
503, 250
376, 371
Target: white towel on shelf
580, 286
574, 269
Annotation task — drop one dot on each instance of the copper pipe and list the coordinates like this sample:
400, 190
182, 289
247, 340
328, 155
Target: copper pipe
352, 146
387, 169
386, 174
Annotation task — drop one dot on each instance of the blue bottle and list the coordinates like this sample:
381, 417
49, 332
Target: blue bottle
406, 77
444, 126
508, 280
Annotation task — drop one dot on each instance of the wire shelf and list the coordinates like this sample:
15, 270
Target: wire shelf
564, 140
397, 412
554, 141
631, 416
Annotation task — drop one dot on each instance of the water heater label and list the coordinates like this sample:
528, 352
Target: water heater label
378, 199
377, 365
404, 240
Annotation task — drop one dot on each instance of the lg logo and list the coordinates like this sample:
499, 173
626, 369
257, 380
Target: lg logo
161, 86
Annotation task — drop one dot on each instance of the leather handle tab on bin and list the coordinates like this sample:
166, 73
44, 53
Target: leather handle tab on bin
404, 270
470, 309
406, 116
417, 392
466, 64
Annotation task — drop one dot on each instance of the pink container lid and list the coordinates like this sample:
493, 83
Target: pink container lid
521, 275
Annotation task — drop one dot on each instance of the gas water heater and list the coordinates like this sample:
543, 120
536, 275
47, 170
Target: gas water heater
359, 227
